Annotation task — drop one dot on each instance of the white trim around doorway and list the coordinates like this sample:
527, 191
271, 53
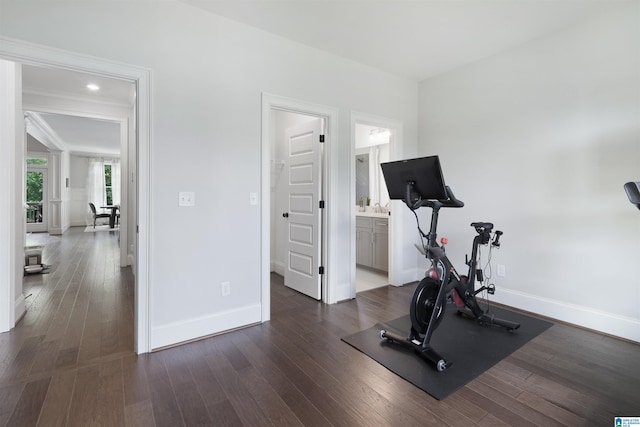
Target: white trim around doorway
395, 149
33, 54
330, 293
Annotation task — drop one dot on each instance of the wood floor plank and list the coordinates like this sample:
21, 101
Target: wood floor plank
84, 401
275, 409
9, 395
111, 394
190, 402
325, 400
287, 390
166, 410
510, 403
135, 381
139, 414
223, 414
28, 407
21, 365
55, 409
246, 408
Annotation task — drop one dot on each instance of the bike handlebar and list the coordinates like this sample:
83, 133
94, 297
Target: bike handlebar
496, 240
414, 201
451, 202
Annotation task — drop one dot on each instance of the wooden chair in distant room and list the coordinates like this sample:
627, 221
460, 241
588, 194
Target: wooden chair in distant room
97, 215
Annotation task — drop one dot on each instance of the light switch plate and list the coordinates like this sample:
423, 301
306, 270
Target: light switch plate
253, 198
186, 198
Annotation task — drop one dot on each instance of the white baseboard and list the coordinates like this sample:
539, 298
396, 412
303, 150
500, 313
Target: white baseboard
192, 329
277, 267
131, 260
608, 323
407, 276
342, 293
20, 307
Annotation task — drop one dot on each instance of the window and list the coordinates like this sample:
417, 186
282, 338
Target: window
36, 161
107, 184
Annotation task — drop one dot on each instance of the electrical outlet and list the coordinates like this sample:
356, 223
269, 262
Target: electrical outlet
502, 271
225, 288
186, 198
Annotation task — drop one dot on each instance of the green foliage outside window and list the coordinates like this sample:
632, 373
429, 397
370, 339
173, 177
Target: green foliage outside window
36, 161
34, 187
107, 183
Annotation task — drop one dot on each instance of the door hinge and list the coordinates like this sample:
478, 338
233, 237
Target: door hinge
321, 138
321, 270
321, 203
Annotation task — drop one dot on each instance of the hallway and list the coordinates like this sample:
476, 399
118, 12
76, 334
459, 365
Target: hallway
79, 320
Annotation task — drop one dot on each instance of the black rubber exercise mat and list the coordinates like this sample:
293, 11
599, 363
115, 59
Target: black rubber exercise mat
471, 347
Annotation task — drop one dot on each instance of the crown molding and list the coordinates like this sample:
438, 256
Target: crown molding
76, 98
40, 129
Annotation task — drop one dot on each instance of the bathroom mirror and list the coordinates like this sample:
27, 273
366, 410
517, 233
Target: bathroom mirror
372, 148
362, 176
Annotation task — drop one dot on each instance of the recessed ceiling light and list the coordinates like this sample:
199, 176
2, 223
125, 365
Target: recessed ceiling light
91, 86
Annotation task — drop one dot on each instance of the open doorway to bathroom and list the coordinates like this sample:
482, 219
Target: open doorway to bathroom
372, 147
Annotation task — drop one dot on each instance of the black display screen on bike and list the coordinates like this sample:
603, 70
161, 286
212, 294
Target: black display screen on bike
425, 173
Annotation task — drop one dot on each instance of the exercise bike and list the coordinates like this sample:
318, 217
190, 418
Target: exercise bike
419, 183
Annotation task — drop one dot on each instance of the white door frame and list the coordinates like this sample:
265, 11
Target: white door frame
33, 54
395, 148
273, 102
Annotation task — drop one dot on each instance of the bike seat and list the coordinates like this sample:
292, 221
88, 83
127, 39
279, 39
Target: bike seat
479, 226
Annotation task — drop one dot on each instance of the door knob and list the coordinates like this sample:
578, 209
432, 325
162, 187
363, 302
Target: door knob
285, 215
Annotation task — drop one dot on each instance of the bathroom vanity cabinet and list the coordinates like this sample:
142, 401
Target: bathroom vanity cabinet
372, 241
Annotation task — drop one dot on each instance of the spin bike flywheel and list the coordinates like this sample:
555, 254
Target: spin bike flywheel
423, 303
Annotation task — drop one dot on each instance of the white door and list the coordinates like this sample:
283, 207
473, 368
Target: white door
304, 216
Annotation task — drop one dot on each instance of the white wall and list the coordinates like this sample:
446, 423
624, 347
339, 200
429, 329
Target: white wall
208, 74
79, 210
540, 140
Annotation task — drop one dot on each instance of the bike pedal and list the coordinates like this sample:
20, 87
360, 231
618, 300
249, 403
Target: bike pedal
491, 289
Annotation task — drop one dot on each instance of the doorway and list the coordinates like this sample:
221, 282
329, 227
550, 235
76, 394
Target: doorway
296, 189
271, 104
20, 53
375, 229
372, 211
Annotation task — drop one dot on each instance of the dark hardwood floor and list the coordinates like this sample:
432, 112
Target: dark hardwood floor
70, 362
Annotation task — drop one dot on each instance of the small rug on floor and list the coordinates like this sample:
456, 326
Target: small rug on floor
470, 347
37, 269
91, 229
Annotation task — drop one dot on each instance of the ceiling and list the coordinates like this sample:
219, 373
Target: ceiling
79, 134
416, 39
